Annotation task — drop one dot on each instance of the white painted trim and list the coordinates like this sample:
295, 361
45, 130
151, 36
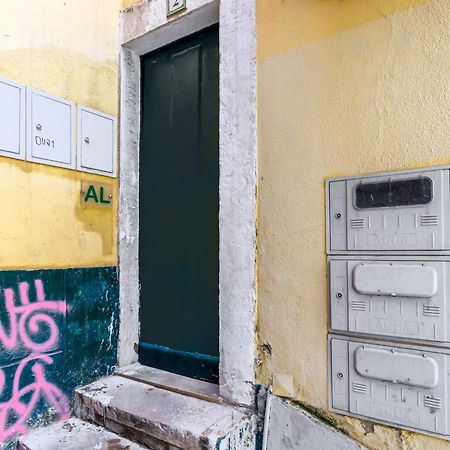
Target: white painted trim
237, 217
145, 28
130, 113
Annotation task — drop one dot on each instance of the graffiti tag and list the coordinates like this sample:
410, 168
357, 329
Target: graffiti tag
26, 321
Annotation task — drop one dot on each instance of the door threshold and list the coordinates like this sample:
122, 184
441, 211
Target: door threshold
171, 382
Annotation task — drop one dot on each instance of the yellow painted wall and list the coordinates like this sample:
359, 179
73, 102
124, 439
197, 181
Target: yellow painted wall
68, 48
128, 3
344, 87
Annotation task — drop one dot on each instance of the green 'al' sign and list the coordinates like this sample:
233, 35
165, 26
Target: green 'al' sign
96, 194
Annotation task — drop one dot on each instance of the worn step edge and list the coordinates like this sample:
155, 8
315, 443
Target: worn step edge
92, 404
75, 434
171, 382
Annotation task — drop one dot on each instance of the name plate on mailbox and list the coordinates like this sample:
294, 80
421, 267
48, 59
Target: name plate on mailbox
391, 298
403, 385
96, 194
408, 211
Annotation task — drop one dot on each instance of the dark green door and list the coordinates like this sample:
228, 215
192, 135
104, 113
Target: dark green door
179, 206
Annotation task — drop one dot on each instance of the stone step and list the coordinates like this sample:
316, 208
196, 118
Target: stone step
171, 382
74, 434
164, 420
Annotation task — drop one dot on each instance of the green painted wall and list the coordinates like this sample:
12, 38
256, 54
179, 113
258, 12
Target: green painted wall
58, 330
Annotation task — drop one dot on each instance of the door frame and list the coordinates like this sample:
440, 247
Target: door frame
145, 28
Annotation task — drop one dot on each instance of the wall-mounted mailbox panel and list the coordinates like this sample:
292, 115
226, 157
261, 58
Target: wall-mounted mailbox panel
12, 119
96, 142
50, 130
398, 385
406, 299
398, 212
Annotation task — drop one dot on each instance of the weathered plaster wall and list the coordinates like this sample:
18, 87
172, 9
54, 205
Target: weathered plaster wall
128, 3
70, 49
343, 88
58, 326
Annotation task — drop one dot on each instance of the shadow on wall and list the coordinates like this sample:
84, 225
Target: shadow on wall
58, 330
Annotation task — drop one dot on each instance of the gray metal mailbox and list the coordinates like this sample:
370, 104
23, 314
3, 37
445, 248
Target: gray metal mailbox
391, 298
384, 213
398, 385
388, 245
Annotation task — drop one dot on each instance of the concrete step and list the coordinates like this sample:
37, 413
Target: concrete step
74, 434
164, 420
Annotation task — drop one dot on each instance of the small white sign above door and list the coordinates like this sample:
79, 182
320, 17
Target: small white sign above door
173, 6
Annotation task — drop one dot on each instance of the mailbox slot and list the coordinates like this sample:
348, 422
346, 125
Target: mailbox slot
395, 280
396, 367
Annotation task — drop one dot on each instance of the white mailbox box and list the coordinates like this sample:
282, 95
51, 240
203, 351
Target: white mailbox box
50, 130
395, 298
12, 119
96, 142
401, 385
390, 212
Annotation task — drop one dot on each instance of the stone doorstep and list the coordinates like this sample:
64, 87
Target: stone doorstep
150, 415
171, 382
74, 434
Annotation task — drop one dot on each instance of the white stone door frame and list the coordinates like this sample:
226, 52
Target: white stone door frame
145, 28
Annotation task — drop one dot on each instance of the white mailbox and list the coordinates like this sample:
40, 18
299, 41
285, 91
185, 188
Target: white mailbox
96, 142
12, 119
402, 385
390, 212
391, 298
50, 130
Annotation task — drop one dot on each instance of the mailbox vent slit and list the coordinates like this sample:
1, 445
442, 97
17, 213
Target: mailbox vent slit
357, 223
361, 388
431, 310
358, 305
429, 220
431, 402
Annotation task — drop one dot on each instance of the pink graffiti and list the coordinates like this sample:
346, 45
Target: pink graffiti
26, 319
24, 399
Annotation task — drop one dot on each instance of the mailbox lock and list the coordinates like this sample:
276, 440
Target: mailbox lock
340, 375
86, 139
38, 126
338, 216
339, 295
